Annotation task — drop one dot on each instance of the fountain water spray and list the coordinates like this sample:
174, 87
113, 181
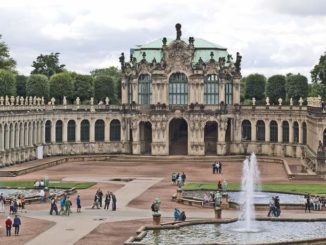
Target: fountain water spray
249, 183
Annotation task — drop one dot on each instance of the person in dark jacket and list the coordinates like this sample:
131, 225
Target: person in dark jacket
114, 201
107, 201
78, 203
54, 206
17, 224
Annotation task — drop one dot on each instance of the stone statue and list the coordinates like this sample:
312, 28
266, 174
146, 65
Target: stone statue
267, 101
300, 101
107, 100
92, 101
178, 29
280, 101
42, 101
156, 205
77, 101
1, 100
53, 101
191, 40
26, 100
237, 63
291, 101
30, 100
164, 41
7, 100
12, 100
122, 60
38, 99
253, 101
217, 199
17, 100
34, 100
64, 101
229, 58
22, 100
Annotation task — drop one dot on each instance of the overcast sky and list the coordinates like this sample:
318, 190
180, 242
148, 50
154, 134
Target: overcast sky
273, 36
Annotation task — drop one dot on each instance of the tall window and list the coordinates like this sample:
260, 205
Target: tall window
84, 131
304, 133
144, 89
285, 129
273, 132
47, 131
115, 128
130, 93
71, 131
260, 127
178, 89
228, 93
246, 130
58, 131
295, 132
99, 130
211, 89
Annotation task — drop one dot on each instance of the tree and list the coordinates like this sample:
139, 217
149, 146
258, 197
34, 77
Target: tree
6, 62
47, 65
275, 88
103, 87
255, 86
83, 87
37, 85
296, 87
243, 89
61, 84
115, 75
318, 74
317, 89
21, 81
7, 83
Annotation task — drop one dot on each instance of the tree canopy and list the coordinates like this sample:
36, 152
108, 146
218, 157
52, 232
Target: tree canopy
83, 86
37, 85
296, 86
21, 81
103, 87
255, 86
318, 74
7, 83
47, 65
61, 84
6, 62
275, 88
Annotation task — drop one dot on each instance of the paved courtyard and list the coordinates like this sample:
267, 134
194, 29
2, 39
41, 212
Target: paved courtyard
149, 179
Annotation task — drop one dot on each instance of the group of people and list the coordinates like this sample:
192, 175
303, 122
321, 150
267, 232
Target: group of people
109, 197
217, 167
9, 223
17, 203
314, 203
274, 207
178, 179
65, 205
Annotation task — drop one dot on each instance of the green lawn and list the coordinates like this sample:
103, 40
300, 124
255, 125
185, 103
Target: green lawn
56, 184
273, 187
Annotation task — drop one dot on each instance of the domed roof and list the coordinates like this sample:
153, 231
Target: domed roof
203, 49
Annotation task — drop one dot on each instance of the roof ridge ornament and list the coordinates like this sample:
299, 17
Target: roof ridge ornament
178, 29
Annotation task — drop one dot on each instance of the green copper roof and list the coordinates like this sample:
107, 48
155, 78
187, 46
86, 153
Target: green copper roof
203, 50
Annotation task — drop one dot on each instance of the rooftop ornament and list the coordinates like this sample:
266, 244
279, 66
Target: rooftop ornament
122, 60
164, 41
178, 29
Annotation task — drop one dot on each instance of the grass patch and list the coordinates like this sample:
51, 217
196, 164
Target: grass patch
316, 189
59, 184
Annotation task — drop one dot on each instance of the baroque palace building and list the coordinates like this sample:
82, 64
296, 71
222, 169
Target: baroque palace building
179, 97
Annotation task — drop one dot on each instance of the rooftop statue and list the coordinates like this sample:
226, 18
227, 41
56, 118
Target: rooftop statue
178, 28
122, 60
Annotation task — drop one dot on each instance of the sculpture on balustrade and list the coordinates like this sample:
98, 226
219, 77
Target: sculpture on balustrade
38, 100
17, 100
280, 101
22, 100
300, 101
12, 100
267, 101
30, 100
53, 101
253, 101
77, 101
107, 100
291, 101
7, 100
1, 100
92, 100
26, 100
34, 100
64, 101
42, 101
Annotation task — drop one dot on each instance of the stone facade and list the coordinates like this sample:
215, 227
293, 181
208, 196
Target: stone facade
156, 118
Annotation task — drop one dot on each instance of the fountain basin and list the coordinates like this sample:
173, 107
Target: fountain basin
31, 194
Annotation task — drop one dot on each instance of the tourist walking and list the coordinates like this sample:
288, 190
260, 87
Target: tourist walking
214, 167
114, 201
8, 224
62, 204
107, 201
17, 224
78, 204
277, 206
271, 208
308, 203
217, 166
100, 195
96, 201
183, 177
67, 206
176, 214
220, 168
54, 206
219, 186
2, 203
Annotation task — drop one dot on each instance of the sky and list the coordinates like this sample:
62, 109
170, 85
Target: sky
273, 36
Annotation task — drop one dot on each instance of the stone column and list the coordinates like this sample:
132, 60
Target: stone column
135, 91
12, 136
30, 135
279, 132
78, 131
64, 131
53, 131
221, 90
300, 134
124, 92
221, 145
42, 133
267, 131
92, 131
236, 91
17, 136
26, 134
2, 135
7, 137
21, 136
290, 132
253, 131
107, 131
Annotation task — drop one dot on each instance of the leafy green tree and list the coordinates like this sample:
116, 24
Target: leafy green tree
83, 87
21, 81
255, 86
7, 83
275, 88
61, 84
103, 87
6, 62
317, 89
296, 87
47, 64
115, 75
318, 74
243, 89
37, 85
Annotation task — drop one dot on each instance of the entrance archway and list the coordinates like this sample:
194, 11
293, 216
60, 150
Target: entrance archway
210, 138
178, 137
145, 131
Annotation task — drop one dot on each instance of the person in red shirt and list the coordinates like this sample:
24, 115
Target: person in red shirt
8, 226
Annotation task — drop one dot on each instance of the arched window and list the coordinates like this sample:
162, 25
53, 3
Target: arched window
71, 131
99, 130
211, 89
144, 89
48, 125
285, 129
84, 131
273, 132
58, 131
304, 133
260, 127
246, 130
115, 128
228, 93
295, 132
178, 89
